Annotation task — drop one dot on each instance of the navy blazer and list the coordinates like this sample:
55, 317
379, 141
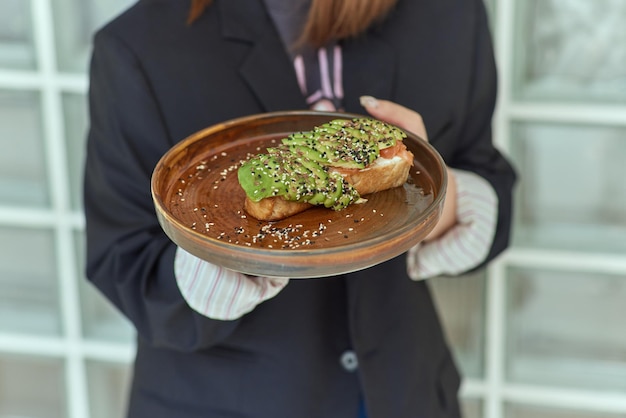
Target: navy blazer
154, 80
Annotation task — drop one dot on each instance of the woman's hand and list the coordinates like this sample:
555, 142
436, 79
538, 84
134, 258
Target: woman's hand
395, 114
412, 121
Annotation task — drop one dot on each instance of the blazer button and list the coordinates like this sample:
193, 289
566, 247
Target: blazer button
349, 361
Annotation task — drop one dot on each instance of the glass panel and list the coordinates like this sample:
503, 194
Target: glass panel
17, 49
566, 329
75, 114
108, 385
572, 192
29, 297
472, 408
75, 23
22, 160
31, 387
100, 319
461, 305
563, 52
519, 411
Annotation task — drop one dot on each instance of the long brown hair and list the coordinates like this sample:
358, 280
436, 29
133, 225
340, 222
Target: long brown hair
328, 19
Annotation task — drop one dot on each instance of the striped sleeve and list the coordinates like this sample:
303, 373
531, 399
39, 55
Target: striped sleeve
467, 244
219, 293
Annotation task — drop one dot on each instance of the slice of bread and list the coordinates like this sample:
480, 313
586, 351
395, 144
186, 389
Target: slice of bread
381, 175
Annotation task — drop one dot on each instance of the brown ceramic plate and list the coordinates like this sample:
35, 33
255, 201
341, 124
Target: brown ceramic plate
200, 205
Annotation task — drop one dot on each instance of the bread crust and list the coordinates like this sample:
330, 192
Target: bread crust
381, 175
274, 208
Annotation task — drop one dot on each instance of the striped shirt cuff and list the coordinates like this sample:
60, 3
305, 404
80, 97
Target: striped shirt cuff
220, 293
466, 245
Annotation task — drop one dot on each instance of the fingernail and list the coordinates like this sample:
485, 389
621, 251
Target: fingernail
369, 101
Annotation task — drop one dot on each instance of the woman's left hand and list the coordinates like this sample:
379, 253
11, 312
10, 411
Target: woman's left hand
412, 121
395, 114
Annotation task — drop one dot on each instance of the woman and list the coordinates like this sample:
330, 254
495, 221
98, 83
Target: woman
280, 348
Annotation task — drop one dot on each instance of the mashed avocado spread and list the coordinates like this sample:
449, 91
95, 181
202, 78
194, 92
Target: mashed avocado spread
298, 168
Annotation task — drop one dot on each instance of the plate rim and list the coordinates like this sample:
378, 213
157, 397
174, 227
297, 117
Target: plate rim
164, 215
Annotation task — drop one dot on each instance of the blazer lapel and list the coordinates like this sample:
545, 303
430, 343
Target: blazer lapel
267, 68
271, 76
368, 62
369, 67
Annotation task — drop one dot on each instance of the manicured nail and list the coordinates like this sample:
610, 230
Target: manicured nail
369, 101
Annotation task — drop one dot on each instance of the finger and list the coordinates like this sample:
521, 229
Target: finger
395, 114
